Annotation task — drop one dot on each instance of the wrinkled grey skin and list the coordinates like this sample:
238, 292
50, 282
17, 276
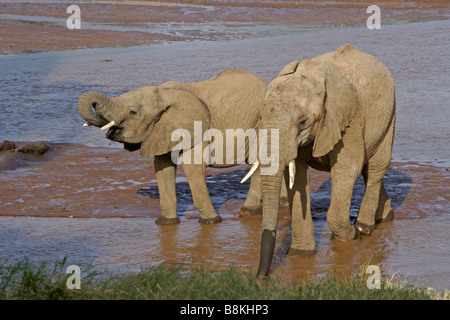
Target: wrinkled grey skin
334, 113
147, 117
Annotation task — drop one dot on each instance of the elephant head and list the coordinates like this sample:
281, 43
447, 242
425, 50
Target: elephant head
146, 117
310, 104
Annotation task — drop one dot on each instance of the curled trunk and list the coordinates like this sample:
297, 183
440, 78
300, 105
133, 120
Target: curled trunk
92, 106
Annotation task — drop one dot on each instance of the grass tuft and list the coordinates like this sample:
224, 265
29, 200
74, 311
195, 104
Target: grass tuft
40, 281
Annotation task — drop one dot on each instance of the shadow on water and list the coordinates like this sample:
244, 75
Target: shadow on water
226, 186
222, 187
396, 183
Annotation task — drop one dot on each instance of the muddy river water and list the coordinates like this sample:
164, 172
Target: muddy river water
90, 201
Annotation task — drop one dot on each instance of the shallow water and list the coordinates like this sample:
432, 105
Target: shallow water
189, 31
38, 103
40, 91
99, 205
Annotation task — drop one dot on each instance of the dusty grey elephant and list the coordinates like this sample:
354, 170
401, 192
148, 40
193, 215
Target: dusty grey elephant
334, 113
146, 118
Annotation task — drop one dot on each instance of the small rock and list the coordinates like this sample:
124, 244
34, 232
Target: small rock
39, 149
7, 145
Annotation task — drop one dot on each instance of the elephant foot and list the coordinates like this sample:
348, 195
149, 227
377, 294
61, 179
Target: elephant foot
301, 253
355, 236
216, 219
284, 203
250, 211
165, 221
389, 217
364, 228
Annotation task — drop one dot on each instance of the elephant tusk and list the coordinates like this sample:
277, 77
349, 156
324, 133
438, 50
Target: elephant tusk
252, 170
109, 125
291, 173
87, 125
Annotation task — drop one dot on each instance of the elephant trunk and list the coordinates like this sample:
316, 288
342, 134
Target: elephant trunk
271, 189
92, 107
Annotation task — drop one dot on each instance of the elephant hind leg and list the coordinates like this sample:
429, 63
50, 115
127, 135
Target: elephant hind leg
370, 204
346, 165
376, 204
384, 212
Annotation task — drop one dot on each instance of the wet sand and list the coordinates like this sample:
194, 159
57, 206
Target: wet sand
75, 181
44, 198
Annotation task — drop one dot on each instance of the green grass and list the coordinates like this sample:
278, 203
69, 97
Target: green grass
40, 281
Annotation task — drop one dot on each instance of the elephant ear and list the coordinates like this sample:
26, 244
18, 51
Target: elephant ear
179, 110
290, 68
340, 102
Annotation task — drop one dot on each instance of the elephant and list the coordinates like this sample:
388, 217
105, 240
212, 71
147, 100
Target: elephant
335, 113
146, 119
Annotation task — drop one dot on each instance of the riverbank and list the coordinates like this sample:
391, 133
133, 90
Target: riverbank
37, 27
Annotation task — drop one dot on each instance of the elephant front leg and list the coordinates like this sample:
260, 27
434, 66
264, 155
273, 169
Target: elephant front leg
299, 202
196, 176
165, 174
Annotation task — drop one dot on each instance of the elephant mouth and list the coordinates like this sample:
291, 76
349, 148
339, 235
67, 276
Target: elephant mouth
115, 134
131, 146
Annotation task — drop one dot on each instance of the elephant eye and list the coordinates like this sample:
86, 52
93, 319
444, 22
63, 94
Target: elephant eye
132, 112
301, 123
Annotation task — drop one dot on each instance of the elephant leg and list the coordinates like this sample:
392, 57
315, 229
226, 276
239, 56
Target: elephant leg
196, 176
346, 166
369, 205
376, 205
165, 173
253, 203
385, 212
299, 202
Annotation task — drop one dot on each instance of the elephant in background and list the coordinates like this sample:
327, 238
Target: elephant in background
146, 118
334, 113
